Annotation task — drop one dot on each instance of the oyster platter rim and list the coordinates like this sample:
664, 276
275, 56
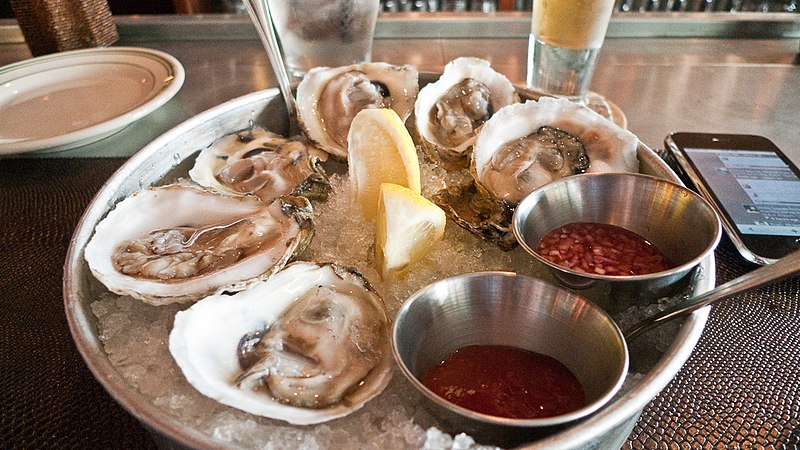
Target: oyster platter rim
167, 151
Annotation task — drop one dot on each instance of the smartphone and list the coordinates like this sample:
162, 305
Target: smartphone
753, 186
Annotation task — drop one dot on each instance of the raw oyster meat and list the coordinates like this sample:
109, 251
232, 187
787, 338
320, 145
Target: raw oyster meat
450, 112
178, 243
329, 98
264, 164
524, 146
308, 345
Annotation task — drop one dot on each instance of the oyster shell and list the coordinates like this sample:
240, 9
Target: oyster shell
309, 345
450, 112
329, 98
264, 164
179, 243
524, 146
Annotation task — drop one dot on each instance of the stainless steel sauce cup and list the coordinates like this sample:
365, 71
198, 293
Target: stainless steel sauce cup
676, 220
501, 308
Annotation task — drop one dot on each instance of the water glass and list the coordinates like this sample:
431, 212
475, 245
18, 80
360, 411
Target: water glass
329, 33
565, 39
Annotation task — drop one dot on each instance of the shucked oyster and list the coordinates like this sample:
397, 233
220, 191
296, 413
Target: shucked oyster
329, 98
308, 345
523, 147
179, 243
450, 112
264, 164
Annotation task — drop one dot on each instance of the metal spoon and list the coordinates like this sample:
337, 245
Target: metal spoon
262, 19
782, 268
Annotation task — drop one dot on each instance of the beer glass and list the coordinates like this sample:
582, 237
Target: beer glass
565, 39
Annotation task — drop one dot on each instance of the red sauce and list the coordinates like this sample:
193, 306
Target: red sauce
506, 382
602, 249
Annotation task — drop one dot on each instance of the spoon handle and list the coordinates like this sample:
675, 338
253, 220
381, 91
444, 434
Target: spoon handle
784, 267
262, 19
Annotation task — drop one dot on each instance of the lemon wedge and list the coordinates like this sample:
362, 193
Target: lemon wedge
407, 226
380, 150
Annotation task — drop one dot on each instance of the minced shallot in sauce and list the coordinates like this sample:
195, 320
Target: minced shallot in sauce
602, 249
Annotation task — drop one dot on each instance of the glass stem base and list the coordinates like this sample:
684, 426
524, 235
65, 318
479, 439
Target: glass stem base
559, 71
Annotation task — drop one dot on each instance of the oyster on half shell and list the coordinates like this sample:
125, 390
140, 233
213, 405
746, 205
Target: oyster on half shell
264, 164
524, 146
329, 98
179, 243
308, 345
450, 111
529, 144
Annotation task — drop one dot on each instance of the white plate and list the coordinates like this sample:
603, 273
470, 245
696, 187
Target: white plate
73, 98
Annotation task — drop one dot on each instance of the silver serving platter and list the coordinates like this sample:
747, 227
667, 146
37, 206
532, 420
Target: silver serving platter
172, 153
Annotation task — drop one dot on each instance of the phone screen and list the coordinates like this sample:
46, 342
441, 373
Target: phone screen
758, 189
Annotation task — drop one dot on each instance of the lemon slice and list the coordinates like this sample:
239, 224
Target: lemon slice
407, 226
380, 150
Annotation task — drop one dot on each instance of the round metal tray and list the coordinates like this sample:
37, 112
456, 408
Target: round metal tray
174, 151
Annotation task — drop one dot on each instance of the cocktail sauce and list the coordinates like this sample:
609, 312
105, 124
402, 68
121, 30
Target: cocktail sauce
506, 382
602, 249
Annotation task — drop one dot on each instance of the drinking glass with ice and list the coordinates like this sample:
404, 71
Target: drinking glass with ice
324, 33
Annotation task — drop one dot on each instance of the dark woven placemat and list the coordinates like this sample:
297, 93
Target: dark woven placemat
738, 390
49, 397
